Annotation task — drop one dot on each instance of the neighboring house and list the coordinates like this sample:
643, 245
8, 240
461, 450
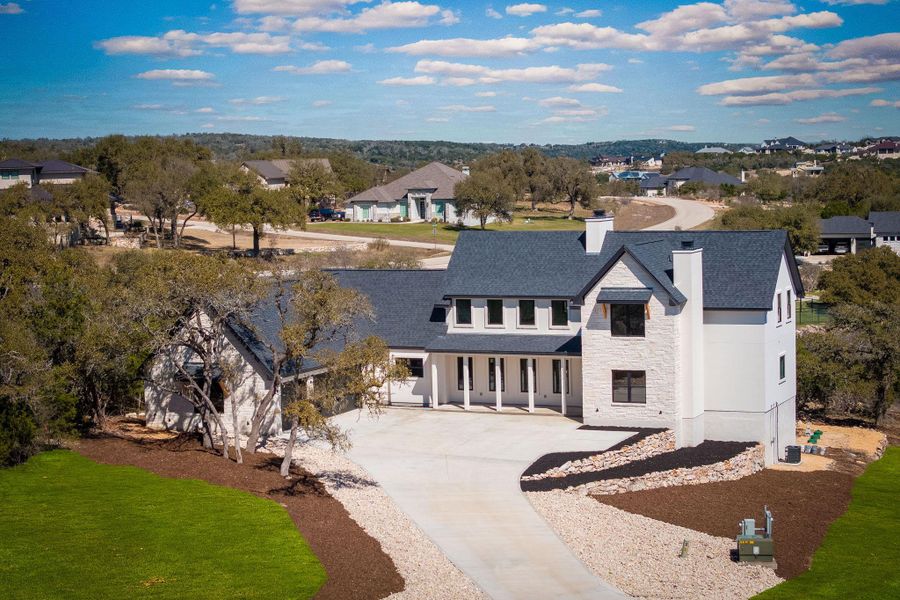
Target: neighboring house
630, 175
886, 229
654, 185
423, 195
14, 171
807, 169
845, 234
713, 150
274, 174
886, 149
652, 162
699, 175
789, 144
747, 150
688, 330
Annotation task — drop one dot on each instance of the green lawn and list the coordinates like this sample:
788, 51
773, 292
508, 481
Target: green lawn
446, 233
858, 558
72, 528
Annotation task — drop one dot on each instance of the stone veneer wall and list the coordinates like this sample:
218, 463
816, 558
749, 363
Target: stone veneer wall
643, 448
746, 463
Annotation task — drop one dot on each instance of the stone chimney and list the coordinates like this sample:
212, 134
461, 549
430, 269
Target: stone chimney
595, 230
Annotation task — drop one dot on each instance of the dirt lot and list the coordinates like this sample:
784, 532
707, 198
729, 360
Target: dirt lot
802, 504
356, 565
202, 239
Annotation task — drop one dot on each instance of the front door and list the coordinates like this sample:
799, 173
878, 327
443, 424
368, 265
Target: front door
422, 209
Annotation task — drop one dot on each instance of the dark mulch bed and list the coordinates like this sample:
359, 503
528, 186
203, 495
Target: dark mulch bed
558, 459
707, 453
802, 504
356, 565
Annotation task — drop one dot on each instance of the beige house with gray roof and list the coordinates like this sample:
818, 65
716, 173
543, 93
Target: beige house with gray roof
274, 174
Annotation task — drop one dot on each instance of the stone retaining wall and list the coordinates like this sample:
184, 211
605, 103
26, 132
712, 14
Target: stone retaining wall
644, 448
746, 463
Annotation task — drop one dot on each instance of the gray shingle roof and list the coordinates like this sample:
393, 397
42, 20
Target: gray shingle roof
654, 182
885, 222
436, 177
624, 295
15, 163
281, 168
403, 302
740, 268
506, 344
60, 167
845, 225
705, 175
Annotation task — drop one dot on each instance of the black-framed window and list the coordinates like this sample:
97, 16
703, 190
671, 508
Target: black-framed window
789, 305
629, 387
557, 364
523, 373
526, 313
559, 313
492, 382
626, 320
495, 312
782, 367
778, 302
416, 366
463, 311
459, 373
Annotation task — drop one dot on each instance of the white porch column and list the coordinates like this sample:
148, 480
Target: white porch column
434, 381
563, 371
531, 384
498, 384
465, 382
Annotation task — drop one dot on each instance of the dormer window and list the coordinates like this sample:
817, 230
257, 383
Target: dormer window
463, 311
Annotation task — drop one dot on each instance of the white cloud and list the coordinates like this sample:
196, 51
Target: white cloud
258, 101
312, 46
459, 81
387, 15
484, 108
508, 46
490, 12
558, 101
239, 118
208, 126
291, 7
366, 48
551, 74
321, 67
321, 103
485, 94
11, 8
756, 85
148, 106
854, 2
685, 18
183, 43
795, 96
882, 103
590, 14
635, 61
601, 88
205, 110
408, 81
680, 128
525, 10
564, 11
750, 10
437, 119
176, 75
883, 46
831, 117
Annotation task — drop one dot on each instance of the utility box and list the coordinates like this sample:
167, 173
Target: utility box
756, 545
792, 455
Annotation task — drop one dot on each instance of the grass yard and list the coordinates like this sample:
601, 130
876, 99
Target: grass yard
73, 528
858, 558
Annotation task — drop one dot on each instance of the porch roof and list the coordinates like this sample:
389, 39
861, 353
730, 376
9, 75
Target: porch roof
624, 295
491, 343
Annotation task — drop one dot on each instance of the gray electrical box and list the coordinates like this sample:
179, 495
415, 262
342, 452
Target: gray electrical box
756, 545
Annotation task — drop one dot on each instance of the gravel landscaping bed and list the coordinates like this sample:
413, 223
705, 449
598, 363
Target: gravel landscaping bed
640, 555
558, 459
802, 504
426, 571
706, 453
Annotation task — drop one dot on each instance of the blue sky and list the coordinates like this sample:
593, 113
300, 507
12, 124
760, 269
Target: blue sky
560, 72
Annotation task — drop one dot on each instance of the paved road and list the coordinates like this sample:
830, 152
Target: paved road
457, 476
688, 213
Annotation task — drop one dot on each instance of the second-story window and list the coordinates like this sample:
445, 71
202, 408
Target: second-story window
495, 312
626, 320
463, 311
789, 305
778, 303
559, 313
526, 313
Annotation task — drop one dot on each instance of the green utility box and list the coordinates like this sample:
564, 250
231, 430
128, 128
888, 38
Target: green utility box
756, 545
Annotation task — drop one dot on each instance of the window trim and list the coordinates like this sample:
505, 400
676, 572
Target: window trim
519, 323
629, 375
487, 313
492, 385
408, 360
778, 308
459, 373
566, 313
456, 320
642, 308
523, 375
782, 368
789, 305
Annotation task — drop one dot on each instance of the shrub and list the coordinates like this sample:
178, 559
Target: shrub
379, 245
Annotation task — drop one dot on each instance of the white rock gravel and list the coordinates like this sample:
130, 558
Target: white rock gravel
426, 571
640, 555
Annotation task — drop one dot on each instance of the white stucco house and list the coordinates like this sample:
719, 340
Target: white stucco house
422, 195
688, 330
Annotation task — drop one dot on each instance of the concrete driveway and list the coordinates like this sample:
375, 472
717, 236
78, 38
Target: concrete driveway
457, 476
688, 213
